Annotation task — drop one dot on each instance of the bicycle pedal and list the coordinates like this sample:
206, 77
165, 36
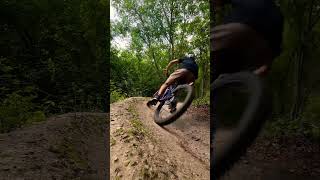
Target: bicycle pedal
152, 103
173, 110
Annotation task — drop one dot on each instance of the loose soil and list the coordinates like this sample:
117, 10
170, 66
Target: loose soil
146, 150
76, 146
68, 146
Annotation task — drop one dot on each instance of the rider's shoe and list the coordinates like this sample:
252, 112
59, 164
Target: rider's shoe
153, 101
172, 110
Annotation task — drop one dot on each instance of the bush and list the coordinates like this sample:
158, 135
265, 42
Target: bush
16, 111
116, 96
205, 100
311, 117
282, 126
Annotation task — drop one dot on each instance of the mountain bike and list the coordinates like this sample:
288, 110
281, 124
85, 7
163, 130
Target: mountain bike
256, 109
173, 103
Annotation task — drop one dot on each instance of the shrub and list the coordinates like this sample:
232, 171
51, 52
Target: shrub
17, 110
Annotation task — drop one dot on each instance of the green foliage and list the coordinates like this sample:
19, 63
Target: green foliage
311, 117
16, 111
202, 101
56, 53
307, 124
134, 77
138, 129
37, 116
159, 31
282, 126
294, 78
116, 96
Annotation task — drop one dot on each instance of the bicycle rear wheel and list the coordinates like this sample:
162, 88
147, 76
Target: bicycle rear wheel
253, 117
184, 95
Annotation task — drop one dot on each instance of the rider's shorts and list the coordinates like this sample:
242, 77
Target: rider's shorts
236, 47
182, 75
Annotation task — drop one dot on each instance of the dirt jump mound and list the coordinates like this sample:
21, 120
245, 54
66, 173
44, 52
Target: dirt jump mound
141, 149
68, 146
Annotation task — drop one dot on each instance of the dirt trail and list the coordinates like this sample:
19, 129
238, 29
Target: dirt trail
76, 146
140, 149
273, 159
68, 146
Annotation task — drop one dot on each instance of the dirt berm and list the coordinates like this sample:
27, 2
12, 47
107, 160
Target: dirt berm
68, 146
141, 149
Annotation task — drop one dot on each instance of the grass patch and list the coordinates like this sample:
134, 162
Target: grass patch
116, 96
119, 132
112, 142
205, 100
132, 110
17, 111
146, 173
291, 128
138, 130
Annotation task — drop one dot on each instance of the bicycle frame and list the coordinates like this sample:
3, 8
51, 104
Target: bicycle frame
168, 94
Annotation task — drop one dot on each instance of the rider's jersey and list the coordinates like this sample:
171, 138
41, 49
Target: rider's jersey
263, 16
190, 64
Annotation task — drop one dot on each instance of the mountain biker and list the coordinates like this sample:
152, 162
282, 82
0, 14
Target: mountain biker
249, 37
186, 73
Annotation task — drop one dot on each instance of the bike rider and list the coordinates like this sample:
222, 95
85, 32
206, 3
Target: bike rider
249, 37
186, 73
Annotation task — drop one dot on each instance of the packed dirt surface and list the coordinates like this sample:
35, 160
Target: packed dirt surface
141, 149
294, 158
274, 158
68, 146
76, 146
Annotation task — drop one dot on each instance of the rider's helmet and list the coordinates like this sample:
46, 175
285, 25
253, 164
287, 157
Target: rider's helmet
191, 56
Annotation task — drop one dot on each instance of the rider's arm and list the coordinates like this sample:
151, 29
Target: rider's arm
173, 62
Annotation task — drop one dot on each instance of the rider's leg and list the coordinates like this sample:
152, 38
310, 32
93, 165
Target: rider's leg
226, 42
163, 87
176, 75
237, 47
186, 77
171, 79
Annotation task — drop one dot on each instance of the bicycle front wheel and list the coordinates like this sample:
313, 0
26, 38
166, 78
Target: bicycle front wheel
256, 110
167, 113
